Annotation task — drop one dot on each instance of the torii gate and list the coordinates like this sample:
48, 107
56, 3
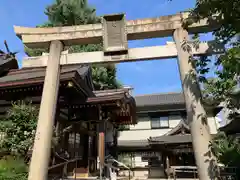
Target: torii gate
114, 32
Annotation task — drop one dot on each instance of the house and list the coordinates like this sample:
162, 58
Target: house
82, 114
161, 135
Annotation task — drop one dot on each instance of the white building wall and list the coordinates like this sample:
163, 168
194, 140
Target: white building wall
140, 134
142, 130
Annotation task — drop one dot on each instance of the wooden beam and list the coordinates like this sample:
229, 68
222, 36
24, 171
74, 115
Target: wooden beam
92, 34
135, 54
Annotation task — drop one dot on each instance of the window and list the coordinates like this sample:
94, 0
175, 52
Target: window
155, 162
159, 122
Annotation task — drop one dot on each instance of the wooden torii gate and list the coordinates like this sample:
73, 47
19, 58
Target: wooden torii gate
114, 32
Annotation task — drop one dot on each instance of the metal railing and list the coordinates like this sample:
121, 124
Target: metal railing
109, 161
108, 164
228, 173
65, 167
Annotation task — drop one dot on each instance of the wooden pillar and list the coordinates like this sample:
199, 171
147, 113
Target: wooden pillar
115, 139
101, 141
195, 111
42, 144
101, 146
85, 144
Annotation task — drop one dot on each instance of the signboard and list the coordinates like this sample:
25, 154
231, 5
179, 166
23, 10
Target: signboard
114, 33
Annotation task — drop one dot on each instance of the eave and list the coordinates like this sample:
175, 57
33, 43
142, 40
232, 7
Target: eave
231, 128
29, 82
117, 102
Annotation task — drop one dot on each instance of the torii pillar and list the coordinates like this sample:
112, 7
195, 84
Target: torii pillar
195, 111
43, 138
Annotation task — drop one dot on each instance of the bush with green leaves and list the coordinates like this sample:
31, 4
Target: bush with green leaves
227, 150
13, 168
18, 128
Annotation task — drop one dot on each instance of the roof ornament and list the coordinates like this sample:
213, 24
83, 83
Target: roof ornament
9, 54
7, 60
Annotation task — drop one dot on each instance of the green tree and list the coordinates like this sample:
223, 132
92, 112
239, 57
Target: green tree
227, 65
226, 68
78, 12
226, 13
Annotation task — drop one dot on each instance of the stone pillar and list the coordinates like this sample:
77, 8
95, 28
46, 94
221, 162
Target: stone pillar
42, 144
195, 111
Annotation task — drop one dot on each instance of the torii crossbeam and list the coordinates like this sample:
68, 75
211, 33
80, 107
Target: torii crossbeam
114, 33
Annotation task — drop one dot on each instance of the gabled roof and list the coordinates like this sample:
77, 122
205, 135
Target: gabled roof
181, 128
179, 134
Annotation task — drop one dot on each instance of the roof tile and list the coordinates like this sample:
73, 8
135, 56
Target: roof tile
159, 99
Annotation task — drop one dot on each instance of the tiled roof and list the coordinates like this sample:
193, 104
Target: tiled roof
186, 138
33, 73
133, 143
159, 99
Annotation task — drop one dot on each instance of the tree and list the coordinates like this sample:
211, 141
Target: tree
78, 12
227, 65
226, 13
226, 68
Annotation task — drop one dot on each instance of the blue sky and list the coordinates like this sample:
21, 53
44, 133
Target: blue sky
145, 77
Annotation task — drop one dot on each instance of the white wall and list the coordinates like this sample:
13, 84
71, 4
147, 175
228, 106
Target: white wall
142, 130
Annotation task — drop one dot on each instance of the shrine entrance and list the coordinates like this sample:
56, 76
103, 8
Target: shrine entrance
114, 32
